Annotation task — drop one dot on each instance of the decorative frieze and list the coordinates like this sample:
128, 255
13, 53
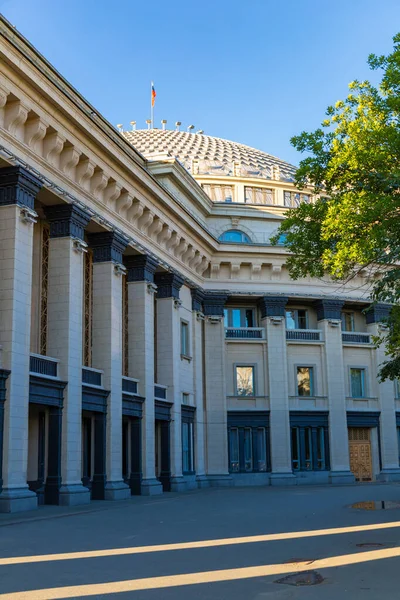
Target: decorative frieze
330, 309
273, 306
214, 303
107, 246
67, 220
377, 313
168, 285
18, 186
141, 267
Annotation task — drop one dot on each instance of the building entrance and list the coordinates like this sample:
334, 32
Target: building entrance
360, 453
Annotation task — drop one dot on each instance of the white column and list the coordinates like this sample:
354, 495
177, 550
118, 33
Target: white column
17, 192
107, 347
385, 392
329, 321
215, 390
141, 290
273, 318
168, 362
197, 334
65, 301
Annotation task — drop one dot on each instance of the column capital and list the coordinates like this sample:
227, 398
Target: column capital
376, 313
168, 284
18, 186
197, 299
214, 303
141, 267
329, 308
273, 306
67, 220
107, 246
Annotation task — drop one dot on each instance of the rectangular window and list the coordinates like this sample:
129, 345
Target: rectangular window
397, 388
398, 442
255, 195
295, 449
187, 447
294, 199
234, 450
348, 321
184, 338
248, 450
245, 381
297, 319
239, 317
305, 381
321, 449
261, 449
357, 381
185, 398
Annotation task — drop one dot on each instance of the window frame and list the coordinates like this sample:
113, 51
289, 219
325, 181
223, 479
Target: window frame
237, 366
185, 340
312, 435
343, 319
363, 382
295, 319
189, 452
245, 237
228, 316
245, 453
313, 385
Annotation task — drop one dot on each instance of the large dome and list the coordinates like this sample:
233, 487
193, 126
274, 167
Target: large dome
212, 156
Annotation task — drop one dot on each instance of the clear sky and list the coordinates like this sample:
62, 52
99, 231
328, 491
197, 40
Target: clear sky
253, 71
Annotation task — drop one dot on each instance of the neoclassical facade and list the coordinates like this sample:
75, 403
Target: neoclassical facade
151, 337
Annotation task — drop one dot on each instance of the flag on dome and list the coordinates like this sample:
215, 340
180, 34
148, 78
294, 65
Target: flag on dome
153, 94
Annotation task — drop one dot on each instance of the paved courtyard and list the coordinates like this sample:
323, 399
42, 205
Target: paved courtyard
211, 544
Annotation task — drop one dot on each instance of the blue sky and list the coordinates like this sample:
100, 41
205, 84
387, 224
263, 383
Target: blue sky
255, 71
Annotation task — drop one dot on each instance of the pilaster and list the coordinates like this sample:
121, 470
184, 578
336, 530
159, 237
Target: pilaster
168, 361
198, 371
65, 299
273, 319
141, 290
18, 189
376, 318
107, 347
329, 322
215, 390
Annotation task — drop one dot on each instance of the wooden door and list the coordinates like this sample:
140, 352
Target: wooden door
360, 453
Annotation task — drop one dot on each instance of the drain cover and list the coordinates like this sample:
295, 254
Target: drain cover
305, 578
371, 545
376, 505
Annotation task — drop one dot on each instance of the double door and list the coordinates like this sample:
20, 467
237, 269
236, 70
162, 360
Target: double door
360, 453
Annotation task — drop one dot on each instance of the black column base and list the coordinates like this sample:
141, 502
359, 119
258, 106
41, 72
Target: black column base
98, 487
135, 483
52, 490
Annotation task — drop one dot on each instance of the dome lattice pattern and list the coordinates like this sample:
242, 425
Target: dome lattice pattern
212, 156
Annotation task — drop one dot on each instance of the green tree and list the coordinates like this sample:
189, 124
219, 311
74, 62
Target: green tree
353, 165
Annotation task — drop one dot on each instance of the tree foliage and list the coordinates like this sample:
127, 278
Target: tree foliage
353, 164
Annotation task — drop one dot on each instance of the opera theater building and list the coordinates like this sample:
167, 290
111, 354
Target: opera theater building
151, 337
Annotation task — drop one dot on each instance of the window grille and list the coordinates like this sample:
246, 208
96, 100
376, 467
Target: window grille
44, 283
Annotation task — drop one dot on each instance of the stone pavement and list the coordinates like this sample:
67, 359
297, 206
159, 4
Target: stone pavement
287, 531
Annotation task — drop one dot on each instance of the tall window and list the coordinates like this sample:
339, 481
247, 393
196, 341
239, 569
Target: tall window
239, 317
348, 321
357, 382
305, 381
293, 199
185, 351
308, 449
247, 449
235, 236
125, 328
88, 308
297, 319
244, 377
44, 290
187, 447
397, 388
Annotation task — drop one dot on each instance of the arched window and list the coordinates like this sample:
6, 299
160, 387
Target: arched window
236, 236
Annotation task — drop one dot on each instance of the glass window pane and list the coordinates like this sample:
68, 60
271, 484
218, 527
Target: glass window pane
302, 319
185, 447
321, 448
249, 321
248, 450
261, 450
245, 381
295, 449
226, 321
348, 321
236, 317
287, 199
290, 320
308, 449
184, 339
304, 381
234, 449
357, 383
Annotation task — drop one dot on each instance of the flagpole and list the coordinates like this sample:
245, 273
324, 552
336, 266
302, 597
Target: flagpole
151, 106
